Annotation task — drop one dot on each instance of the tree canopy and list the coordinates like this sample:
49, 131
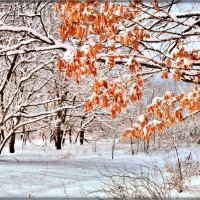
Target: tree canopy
122, 44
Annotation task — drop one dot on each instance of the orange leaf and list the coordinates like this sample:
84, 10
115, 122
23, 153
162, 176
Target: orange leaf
156, 6
121, 9
178, 114
164, 75
105, 102
88, 105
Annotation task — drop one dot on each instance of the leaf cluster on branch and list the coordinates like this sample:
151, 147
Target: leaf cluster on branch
127, 43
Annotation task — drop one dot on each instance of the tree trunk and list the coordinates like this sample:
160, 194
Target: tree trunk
64, 137
70, 135
132, 149
52, 136
12, 143
113, 145
95, 147
138, 144
2, 137
58, 136
81, 136
147, 146
23, 136
75, 141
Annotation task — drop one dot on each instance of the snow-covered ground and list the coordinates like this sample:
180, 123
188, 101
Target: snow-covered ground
41, 171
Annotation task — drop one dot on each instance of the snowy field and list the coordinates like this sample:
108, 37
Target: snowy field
41, 171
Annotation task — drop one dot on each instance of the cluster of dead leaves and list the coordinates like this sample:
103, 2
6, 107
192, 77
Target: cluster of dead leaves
114, 94
183, 64
86, 20
117, 94
100, 22
165, 111
81, 19
81, 63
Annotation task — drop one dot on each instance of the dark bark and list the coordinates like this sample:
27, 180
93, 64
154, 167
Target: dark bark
147, 147
8, 76
26, 136
2, 137
63, 138
82, 136
70, 129
82, 128
70, 135
23, 136
63, 141
12, 143
113, 146
82, 131
132, 149
58, 136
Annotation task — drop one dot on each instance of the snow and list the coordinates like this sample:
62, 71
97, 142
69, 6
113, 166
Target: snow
69, 54
26, 29
187, 62
141, 118
14, 52
85, 48
41, 171
16, 46
136, 125
168, 93
117, 80
130, 61
156, 122
179, 15
192, 189
190, 95
111, 42
157, 99
126, 76
193, 186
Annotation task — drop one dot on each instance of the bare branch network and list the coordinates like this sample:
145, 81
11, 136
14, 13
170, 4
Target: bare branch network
112, 49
